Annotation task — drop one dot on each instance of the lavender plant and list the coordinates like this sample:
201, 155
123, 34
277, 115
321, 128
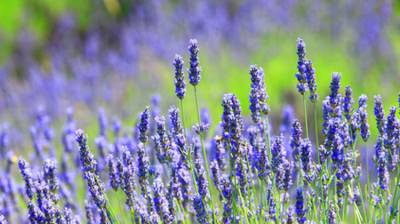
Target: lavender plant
237, 176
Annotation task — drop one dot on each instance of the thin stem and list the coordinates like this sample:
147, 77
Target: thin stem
394, 200
244, 209
358, 180
268, 136
109, 210
316, 127
233, 183
183, 117
305, 115
262, 197
181, 212
201, 134
268, 141
188, 153
190, 164
203, 149
132, 215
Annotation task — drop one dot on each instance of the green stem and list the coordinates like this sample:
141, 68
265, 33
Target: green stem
268, 142
111, 216
132, 215
394, 200
183, 117
262, 197
305, 115
201, 136
109, 210
244, 209
362, 193
316, 128
268, 137
203, 149
192, 171
233, 184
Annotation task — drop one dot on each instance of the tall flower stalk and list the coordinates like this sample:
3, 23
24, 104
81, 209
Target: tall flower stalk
194, 79
301, 77
95, 185
180, 84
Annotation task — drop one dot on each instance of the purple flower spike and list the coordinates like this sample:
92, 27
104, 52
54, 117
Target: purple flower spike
28, 178
296, 139
348, 103
311, 84
194, 69
258, 95
180, 85
301, 68
381, 162
334, 87
144, 125
363, 118
379, 114
300, 210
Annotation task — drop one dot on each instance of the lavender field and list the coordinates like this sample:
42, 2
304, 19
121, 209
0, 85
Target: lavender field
237, 111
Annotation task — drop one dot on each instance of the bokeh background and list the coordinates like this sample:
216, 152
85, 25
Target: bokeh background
116, 55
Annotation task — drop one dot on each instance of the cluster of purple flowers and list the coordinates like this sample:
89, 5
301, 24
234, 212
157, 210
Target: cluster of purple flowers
305, 72
255, 174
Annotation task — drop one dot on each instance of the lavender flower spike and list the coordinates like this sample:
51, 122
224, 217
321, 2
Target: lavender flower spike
379, 114
362, 113
326, 110
180, 85
177, 131
50, 169
160, 202
391, 140
278, 153
258, 95
96, 190
306, 157
296, 139
144, 125
263, 96
201, 177
88, 162
310, 77
242, 175
162, 141
301, 50
143, 167
27, 176
113, 172
253, 98
89, 168
300, 210
348, 103
334, 87
300, 75
381, 162
194, 69
201, 213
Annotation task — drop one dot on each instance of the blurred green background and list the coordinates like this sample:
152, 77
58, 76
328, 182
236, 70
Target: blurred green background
225, 68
